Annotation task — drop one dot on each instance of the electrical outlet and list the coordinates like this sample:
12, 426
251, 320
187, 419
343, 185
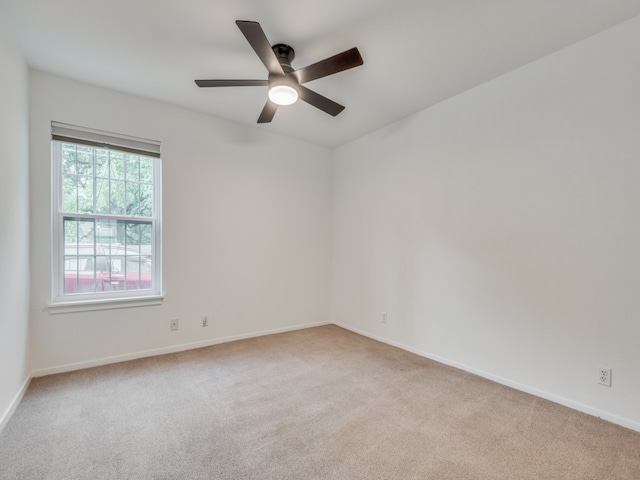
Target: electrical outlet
384, 317
604, 376
205, 320
173, 324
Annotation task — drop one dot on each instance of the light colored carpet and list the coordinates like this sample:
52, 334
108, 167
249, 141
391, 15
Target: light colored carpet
321, 403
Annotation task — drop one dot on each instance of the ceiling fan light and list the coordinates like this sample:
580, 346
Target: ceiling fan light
283, 94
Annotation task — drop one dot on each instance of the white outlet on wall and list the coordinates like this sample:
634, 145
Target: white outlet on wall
205, 320
384, 317
173, 324
604, 375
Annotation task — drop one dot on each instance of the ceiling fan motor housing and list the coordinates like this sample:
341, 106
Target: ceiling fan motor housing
285, 55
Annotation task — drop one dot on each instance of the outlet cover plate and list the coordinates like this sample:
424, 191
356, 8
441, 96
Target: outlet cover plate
604, 375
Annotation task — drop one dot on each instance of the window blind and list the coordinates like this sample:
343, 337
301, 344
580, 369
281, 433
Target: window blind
95, 138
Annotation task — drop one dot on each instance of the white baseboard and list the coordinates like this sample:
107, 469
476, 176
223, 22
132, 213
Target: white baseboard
624, 422
165, 350
4, 419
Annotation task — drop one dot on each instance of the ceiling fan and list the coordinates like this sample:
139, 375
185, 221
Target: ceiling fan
285, 83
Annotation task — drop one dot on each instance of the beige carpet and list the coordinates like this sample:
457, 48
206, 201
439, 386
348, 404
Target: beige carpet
321, 403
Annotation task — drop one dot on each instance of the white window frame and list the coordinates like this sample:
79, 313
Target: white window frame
61, 302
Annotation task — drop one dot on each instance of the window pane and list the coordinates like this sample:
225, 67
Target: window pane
145, 237
133, 164
146, 200
116, 264
134, 274
85, 194
137, 255
69, 193
102, 263
146, 169
133, 198
116, 160
117, 204
132, 236
102, 195
79, 252
68, 158
103, 274
86, 235
138, 237
78, 231
106, 233
102, 163
70, 228
84, 162
134, 264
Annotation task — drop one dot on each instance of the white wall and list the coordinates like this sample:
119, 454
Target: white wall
14, 225
500, 230
246, 219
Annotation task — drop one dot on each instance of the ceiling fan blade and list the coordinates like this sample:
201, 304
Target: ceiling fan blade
258, 40
232, 83
318, 101
329, 66
268, 112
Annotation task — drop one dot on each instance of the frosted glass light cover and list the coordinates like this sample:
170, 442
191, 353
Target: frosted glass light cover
283, 95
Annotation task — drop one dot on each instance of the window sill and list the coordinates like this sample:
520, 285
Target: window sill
105, 304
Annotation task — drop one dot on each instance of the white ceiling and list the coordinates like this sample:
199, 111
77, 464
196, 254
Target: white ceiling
416, 52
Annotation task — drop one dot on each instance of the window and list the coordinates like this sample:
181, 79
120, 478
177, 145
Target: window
106, 216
